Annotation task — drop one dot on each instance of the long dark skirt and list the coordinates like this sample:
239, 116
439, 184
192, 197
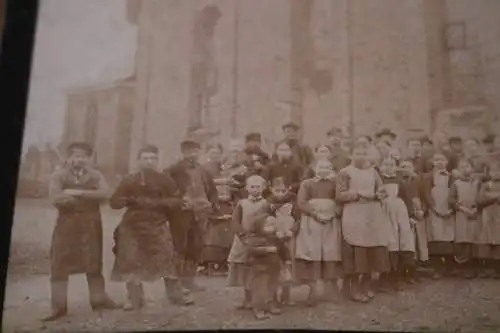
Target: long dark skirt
464, 251
364, 260
143, 252
441, 248
401, 260
309, 271
481, 251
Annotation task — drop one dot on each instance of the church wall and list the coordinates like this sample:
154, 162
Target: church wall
401, 76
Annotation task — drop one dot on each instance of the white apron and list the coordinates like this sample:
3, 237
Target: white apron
465, 227
238, 253
364, 223
317, 241
440, 229
397, 215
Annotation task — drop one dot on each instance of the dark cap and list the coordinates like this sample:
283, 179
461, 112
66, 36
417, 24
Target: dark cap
488, 139
148, 149
454, 139
254, 136
278, 182
426, 139
291, 124
189, 144
386, 132
83, 146
334, 131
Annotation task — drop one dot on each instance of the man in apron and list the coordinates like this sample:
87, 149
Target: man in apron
77, 191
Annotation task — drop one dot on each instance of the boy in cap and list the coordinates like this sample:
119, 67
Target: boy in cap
302, 154
77, 191
284, 212
339, 157
257, 159
387, 136
143, 249
456, 152
187, 225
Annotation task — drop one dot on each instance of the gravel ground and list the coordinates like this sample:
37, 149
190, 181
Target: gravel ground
450, 305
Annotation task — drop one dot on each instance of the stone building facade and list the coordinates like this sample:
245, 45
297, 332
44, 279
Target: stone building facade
103, 116
228, 67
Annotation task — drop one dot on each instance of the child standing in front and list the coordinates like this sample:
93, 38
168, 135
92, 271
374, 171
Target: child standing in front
283, 210
464, 194
402, 244
242, 224
410, 193
219, 234
440, 221
365, 231
318, 242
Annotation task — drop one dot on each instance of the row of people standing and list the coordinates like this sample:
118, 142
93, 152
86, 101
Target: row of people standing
146, 248
410, 225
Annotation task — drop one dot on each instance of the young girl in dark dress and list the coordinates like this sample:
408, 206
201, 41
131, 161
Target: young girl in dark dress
440, 216
464, 195
284, 211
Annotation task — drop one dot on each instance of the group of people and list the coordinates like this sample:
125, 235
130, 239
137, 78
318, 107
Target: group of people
362, 218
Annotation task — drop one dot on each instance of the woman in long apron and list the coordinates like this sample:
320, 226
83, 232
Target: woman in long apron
366, 233
318, 242
440, 220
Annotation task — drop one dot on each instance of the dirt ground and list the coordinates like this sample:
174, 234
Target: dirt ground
450, 305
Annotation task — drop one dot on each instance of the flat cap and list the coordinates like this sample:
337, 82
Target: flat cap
334, 131
189, 143
80, 145
387, 132
454, 139
148, 149
253, 136
291, 124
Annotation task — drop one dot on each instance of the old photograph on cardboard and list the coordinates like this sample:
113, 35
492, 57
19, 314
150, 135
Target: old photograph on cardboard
224, 164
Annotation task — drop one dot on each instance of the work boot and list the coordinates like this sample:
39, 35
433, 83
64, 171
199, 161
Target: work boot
188, 277
99, 300
59, 300
176, 293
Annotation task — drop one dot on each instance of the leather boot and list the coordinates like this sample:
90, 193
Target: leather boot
58, 299
188, 278
99, 300
176, 293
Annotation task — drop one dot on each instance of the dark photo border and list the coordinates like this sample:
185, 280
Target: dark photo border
15, 66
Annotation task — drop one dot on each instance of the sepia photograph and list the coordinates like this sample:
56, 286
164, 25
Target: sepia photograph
259, 164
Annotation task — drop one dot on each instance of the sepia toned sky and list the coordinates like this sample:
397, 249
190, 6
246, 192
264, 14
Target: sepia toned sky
77, 43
